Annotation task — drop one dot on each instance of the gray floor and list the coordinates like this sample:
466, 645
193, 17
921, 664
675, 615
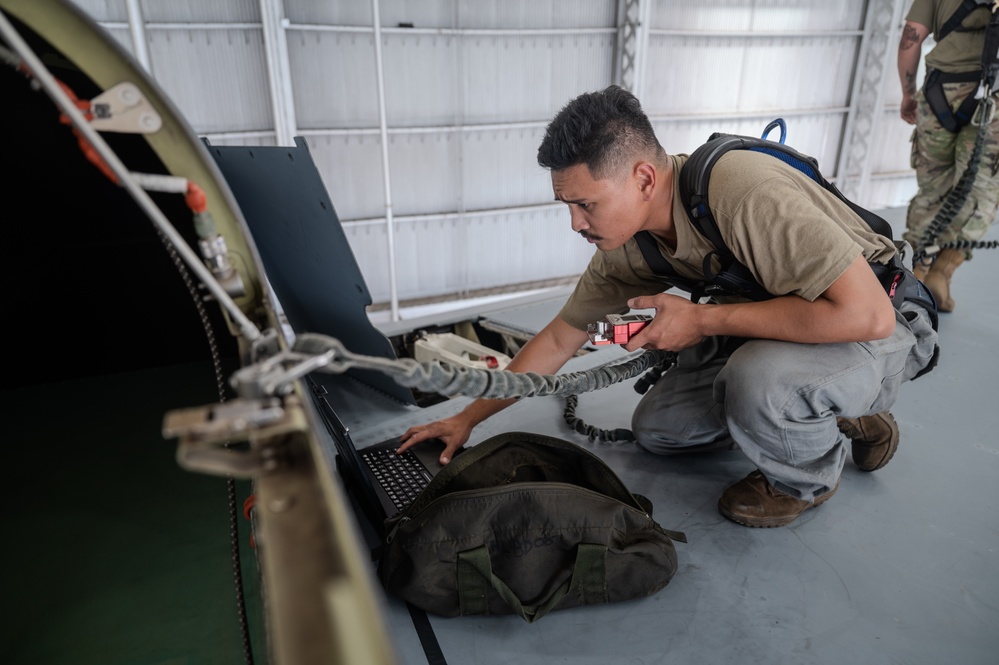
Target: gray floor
899, 567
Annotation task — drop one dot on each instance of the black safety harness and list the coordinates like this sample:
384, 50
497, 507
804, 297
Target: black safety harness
733, 278
977, 108
954, 121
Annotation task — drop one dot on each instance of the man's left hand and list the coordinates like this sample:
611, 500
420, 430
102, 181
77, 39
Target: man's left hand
675, 326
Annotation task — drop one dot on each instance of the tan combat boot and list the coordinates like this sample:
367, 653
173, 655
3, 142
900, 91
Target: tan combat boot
938, 278
919, 269
875, 439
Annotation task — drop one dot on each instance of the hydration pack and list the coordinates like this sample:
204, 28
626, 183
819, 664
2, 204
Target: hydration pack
733, 278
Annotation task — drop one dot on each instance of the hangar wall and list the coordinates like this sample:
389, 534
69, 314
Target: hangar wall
467, 88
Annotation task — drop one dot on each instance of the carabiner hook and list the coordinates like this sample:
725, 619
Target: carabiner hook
779, 122
985, 111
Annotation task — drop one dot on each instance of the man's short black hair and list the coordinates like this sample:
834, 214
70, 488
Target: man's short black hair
605, 130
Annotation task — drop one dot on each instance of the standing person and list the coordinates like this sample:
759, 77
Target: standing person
944, 135
792, 381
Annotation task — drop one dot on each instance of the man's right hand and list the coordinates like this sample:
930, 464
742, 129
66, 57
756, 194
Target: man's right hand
908, 109
453, 431
544, 353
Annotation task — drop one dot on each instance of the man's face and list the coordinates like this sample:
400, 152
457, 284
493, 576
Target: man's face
605, 212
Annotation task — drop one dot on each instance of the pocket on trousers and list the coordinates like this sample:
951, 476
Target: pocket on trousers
889, 387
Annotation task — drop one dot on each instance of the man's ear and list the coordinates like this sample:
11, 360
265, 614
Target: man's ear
646, 177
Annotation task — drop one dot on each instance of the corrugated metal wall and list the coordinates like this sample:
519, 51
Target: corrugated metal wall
468, 89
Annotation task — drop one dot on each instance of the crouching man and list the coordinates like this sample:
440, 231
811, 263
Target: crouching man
797, 381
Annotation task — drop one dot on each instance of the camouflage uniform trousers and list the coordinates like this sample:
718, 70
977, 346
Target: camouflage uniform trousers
939, 158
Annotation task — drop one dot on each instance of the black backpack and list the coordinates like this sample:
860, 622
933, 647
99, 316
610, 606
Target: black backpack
733, 278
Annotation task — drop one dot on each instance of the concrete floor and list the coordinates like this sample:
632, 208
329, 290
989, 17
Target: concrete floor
899, 567
118, 556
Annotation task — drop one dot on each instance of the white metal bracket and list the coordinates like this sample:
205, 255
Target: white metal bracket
124, 109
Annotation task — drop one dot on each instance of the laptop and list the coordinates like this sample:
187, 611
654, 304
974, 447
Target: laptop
383, 482
318, 283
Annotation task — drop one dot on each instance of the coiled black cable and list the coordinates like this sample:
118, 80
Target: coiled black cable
620, 435
970, 244
958, 195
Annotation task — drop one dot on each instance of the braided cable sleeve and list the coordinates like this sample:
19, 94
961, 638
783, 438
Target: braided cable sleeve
493, 384
958, 195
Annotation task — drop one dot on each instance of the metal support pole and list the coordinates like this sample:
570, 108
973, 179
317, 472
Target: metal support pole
278, 70
383, 126
632, 44
641, 47
853, 170
137, 28
461, 260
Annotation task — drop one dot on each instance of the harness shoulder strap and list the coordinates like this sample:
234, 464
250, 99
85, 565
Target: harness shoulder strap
990, 53
662, 268
733, 277
650, 250
954, 121
954, 22
694, 178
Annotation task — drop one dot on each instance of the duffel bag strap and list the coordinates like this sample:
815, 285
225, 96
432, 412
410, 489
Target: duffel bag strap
475, 576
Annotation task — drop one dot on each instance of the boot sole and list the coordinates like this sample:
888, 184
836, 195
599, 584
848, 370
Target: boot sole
776, 520
883, 463
892, 448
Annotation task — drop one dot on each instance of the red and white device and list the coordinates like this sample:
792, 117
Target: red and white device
617, 328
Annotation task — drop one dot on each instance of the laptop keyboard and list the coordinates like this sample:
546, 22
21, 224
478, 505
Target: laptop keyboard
401, 476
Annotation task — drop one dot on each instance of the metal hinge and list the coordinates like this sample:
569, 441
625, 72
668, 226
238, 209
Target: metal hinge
208, 434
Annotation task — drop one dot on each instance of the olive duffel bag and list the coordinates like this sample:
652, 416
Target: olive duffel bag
525, 524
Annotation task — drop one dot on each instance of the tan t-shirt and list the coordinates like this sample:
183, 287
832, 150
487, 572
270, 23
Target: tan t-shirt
961, 50
794, 236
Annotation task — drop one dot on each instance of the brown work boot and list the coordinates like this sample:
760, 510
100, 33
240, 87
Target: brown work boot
875, 439
938, 278
753, 501
920, 269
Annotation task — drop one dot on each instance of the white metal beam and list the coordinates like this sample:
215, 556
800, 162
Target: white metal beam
632, 44
881, 26
137, 28
383, 126
278, 70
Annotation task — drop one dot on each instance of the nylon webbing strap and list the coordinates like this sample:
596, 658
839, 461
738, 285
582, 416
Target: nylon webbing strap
590, 574
472, 586
933, 91
475, 575
662, 269
955, 19
428, 639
